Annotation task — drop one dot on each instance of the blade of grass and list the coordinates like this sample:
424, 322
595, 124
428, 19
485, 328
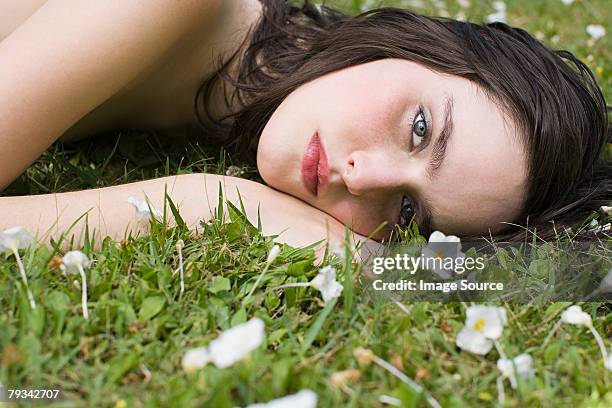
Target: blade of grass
348, 275
314, 330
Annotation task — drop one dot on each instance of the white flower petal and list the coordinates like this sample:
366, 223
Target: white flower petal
606, 284
236, 343
142, 208
488, 320
596, 31
499, 5
438, 236
438, 248
195, 359
524, 368
473, 341
575, 315
233, 171
494, 17
15, 238
303, 399
567, 2
274, 252
326, 283
72, 260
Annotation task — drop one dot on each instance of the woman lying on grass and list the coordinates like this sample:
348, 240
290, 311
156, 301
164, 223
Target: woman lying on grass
372, 120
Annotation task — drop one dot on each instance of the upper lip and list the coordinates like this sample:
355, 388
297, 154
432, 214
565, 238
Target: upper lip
315, 168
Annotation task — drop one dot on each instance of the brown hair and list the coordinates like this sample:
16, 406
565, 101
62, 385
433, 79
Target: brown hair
560, 109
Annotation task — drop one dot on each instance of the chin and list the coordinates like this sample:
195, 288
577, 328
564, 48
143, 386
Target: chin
269, 171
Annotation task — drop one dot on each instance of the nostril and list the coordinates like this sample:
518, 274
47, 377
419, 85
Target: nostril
349, 168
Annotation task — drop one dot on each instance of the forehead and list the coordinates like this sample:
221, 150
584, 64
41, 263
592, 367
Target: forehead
482, 179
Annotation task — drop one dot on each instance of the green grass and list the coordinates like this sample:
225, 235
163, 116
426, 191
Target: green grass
131, 347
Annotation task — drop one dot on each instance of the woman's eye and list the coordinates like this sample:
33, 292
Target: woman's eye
419, 129
406, 212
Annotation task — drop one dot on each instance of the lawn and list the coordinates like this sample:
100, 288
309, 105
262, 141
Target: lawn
129, 351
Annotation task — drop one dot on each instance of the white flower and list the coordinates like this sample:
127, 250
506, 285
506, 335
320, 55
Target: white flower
524, 368
303, 399
500, 12
605, 227
237, 342
567, 2
15, 238
606, 284
438, 249
461, 16
144, 210
596, 31
367, 5
499, 6
595, 227
233, 171
483, 324
498, 16
274, 252
473, 341
606, 209
231, 346
74, 262
195, 359
575, 315
326, 283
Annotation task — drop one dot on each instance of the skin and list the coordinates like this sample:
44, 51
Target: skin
363, 116
148, 55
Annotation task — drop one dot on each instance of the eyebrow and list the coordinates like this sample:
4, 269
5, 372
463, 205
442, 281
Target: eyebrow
438, 152
437, 158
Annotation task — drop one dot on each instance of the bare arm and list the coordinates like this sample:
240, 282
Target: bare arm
71, 56
195, 195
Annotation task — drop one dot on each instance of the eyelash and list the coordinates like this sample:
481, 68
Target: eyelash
404, 220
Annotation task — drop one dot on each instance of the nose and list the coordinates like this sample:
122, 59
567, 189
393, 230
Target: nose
372, 171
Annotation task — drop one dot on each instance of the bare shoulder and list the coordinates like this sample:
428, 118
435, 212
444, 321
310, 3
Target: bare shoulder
15, 12
80, 53
161, 97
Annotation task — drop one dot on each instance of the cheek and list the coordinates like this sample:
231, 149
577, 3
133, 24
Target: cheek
278, 149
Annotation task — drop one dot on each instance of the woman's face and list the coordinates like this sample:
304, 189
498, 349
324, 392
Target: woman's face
376, 158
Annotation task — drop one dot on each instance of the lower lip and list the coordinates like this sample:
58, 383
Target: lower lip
315, 169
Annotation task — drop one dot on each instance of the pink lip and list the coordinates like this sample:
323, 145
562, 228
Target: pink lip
315, 169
